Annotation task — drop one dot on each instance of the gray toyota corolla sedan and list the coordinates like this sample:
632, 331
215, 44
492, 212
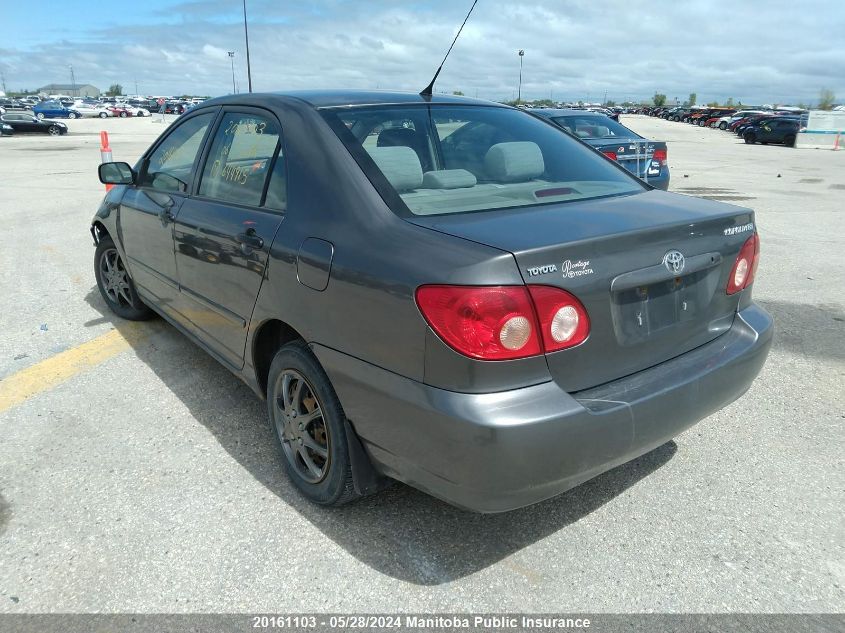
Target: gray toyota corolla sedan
439, 290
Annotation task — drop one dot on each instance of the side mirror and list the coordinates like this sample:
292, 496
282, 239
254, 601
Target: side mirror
116, 174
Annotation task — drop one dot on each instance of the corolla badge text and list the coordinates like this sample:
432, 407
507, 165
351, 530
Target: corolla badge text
733, 230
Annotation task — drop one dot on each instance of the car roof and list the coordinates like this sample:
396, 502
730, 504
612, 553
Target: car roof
341, 98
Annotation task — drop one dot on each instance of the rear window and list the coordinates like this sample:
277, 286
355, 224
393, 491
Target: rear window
443, 159
586, 126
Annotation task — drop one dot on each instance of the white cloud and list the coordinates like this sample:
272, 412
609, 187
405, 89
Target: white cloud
785, 51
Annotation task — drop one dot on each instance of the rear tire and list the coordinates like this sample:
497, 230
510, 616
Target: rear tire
723, 126
103, 115
750, 138
40, 116
115, 284
123, 115
310, 425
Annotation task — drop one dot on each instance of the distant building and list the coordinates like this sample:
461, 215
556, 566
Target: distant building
72, 90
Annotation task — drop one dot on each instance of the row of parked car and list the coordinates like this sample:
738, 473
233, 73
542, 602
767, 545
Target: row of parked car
61, 108
40, 116
763, 125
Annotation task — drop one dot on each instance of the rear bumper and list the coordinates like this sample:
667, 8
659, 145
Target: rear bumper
500, 451
661, 181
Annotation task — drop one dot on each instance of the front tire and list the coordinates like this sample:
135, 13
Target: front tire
40, 116
103, 115
123, 115
723, 126
310, 425
54, 130
71, 115
789, 140
115, 284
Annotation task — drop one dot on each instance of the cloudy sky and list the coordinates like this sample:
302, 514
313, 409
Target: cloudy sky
757, 52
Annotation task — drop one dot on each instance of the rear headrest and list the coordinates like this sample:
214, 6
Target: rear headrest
400, 165
514, 162
448, 179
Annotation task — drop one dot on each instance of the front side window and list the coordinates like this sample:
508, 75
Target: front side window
444, 159
169, 167
241, 158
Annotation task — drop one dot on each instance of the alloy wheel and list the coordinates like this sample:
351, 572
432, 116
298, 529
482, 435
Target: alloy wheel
298, 418
114, 278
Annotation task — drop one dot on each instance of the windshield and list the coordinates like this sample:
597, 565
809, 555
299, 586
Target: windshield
593, 126
445, 159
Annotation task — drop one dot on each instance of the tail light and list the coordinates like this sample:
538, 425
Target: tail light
611, 155
563, 319
504, 322
661, 156
485, 322
745, 267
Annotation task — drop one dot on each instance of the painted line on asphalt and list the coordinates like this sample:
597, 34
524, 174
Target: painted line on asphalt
51, 372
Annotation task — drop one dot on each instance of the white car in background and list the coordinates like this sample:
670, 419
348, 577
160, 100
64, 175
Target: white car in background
725, 121
135, 111
91, 111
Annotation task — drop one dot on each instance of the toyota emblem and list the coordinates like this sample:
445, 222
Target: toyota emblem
674, 262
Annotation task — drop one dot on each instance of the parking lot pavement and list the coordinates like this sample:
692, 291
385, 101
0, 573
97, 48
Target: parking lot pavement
136, 474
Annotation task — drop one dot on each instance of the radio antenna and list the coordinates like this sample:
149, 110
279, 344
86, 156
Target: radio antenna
430, 87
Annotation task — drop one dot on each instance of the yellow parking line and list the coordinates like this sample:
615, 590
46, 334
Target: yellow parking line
55, 370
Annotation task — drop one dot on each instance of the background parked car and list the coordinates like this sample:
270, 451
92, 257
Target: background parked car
642, 157
13, 104
6, 129
54, 110
24, 123
773, 130
745, 122
135, 111
92, 111
712, 120
119, 111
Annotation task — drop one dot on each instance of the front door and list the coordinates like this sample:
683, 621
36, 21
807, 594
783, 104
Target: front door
223, 233
148, 210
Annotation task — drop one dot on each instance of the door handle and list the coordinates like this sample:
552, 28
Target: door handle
250, 238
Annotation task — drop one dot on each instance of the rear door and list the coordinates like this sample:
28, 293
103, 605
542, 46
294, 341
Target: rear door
147, 211
223, 233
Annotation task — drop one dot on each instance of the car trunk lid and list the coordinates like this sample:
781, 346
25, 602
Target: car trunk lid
634, 154
616, 255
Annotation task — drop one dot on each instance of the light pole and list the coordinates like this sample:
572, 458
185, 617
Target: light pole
246, 37
519, 91
72, 80
232, 59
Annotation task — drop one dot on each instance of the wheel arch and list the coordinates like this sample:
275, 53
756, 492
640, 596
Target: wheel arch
268, 338
99, 231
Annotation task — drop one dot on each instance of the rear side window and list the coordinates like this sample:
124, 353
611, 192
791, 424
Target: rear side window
169, 167
445, 159
241, 159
